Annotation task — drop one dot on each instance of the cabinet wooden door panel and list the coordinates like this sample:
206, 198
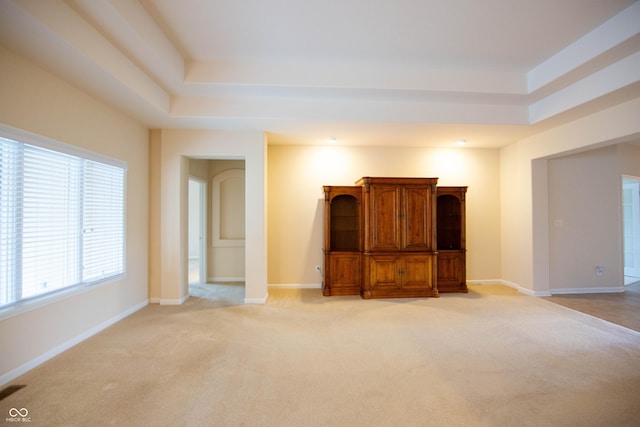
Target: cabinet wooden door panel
400, 218
451, 271
384, 273
417, 272
384, 217
392, 276
416, 219
343, 274
449, 266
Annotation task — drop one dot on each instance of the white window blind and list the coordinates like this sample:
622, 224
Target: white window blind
103, 221
61, 221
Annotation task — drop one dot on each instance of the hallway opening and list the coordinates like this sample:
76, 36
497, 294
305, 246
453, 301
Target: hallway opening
631, 228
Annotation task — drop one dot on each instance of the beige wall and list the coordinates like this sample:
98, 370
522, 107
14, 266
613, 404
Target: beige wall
297, 174
36, 101
630, 158
525, 189
585, 221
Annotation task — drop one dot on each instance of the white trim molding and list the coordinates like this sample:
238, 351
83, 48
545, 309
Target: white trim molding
601, 290
296, 286
11, 375
225, 279
173, 301
262, 300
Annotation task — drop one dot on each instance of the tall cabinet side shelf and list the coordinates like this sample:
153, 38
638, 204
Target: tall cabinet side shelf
342, 240
451, 236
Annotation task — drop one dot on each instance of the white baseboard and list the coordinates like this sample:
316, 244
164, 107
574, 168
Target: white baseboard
564, 291
525, 290
605, 290
225, 279
296, 286
262, 300
169, 301
511, 285
548, 293
485, 282
11, 375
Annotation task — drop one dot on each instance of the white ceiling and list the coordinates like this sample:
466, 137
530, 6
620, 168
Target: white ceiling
502, 35
369, 72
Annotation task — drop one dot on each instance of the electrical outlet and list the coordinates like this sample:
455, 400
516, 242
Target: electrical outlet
318, 269
599, 270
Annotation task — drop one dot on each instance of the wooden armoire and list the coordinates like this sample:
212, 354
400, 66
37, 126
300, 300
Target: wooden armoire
380, 238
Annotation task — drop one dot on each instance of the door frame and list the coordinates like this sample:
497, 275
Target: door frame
202, 244
628, 271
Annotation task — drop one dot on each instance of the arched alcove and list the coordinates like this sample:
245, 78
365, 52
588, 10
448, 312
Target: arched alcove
345, 223
449, 222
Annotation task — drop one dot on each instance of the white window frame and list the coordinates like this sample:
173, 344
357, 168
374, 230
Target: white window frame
32, 139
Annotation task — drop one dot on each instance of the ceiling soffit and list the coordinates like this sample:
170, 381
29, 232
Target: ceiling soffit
125, 53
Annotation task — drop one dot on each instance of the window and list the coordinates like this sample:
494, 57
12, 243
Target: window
61, 217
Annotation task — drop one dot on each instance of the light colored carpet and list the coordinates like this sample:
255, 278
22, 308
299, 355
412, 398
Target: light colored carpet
491, 357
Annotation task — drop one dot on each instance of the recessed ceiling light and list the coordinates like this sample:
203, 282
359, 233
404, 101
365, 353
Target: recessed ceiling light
332, 139
462, 142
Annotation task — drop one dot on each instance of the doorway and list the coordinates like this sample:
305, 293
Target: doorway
197, 229
631, 228
216, 230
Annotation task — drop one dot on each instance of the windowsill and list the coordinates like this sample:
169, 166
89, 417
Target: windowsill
44, 300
